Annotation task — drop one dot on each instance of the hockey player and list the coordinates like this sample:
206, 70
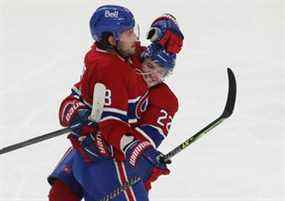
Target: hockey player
152, 126
110, 50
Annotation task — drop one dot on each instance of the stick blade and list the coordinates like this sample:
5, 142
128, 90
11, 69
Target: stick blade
231, 99
98, 102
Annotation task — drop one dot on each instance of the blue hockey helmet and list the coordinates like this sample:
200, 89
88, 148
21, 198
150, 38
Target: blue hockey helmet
157, 53
110, 19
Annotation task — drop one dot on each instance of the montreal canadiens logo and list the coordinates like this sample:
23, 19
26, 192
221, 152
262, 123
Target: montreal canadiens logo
141, 105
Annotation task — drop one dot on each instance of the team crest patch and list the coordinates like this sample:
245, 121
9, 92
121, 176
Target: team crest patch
141, 105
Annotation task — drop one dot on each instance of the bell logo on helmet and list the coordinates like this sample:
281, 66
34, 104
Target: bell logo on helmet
110, 18
110, 14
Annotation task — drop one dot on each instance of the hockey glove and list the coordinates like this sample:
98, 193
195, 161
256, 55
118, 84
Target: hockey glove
147, 161
87, 138
166, 32
74, 113
69, 109
84, 137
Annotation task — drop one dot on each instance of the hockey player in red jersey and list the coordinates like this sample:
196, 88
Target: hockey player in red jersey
119, 112
152, 126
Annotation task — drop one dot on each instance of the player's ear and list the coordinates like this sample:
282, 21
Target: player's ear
111, 40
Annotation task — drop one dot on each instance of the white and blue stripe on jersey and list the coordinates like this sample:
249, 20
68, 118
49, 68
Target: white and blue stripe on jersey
153, 134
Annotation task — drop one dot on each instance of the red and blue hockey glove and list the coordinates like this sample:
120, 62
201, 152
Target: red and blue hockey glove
74, 113
146, 160
165, 31
85, 136
87, 139
69, 108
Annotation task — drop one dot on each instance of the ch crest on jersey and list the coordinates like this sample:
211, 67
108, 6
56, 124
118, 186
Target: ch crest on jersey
141, 106
137, 107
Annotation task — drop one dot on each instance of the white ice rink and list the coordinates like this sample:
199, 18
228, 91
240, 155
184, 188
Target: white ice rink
42, 44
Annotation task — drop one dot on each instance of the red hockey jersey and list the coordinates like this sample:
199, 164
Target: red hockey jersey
128, 100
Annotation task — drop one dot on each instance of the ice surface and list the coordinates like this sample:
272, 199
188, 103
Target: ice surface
41, 54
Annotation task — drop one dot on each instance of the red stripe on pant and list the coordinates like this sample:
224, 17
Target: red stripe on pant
123, 179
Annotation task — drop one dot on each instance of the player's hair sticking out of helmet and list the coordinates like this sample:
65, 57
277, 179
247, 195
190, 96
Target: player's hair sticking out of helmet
104, 43
110, 20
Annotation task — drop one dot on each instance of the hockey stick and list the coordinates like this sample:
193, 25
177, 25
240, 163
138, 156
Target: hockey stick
228, 110
97, 109
120, 189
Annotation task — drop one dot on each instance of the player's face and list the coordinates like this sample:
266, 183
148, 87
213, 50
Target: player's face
153, 73
127, 42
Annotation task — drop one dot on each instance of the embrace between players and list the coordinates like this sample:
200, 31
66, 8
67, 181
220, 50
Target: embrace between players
136, 116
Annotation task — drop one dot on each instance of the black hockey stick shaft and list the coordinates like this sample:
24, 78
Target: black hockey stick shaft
96, 112
37, 139
231, 99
